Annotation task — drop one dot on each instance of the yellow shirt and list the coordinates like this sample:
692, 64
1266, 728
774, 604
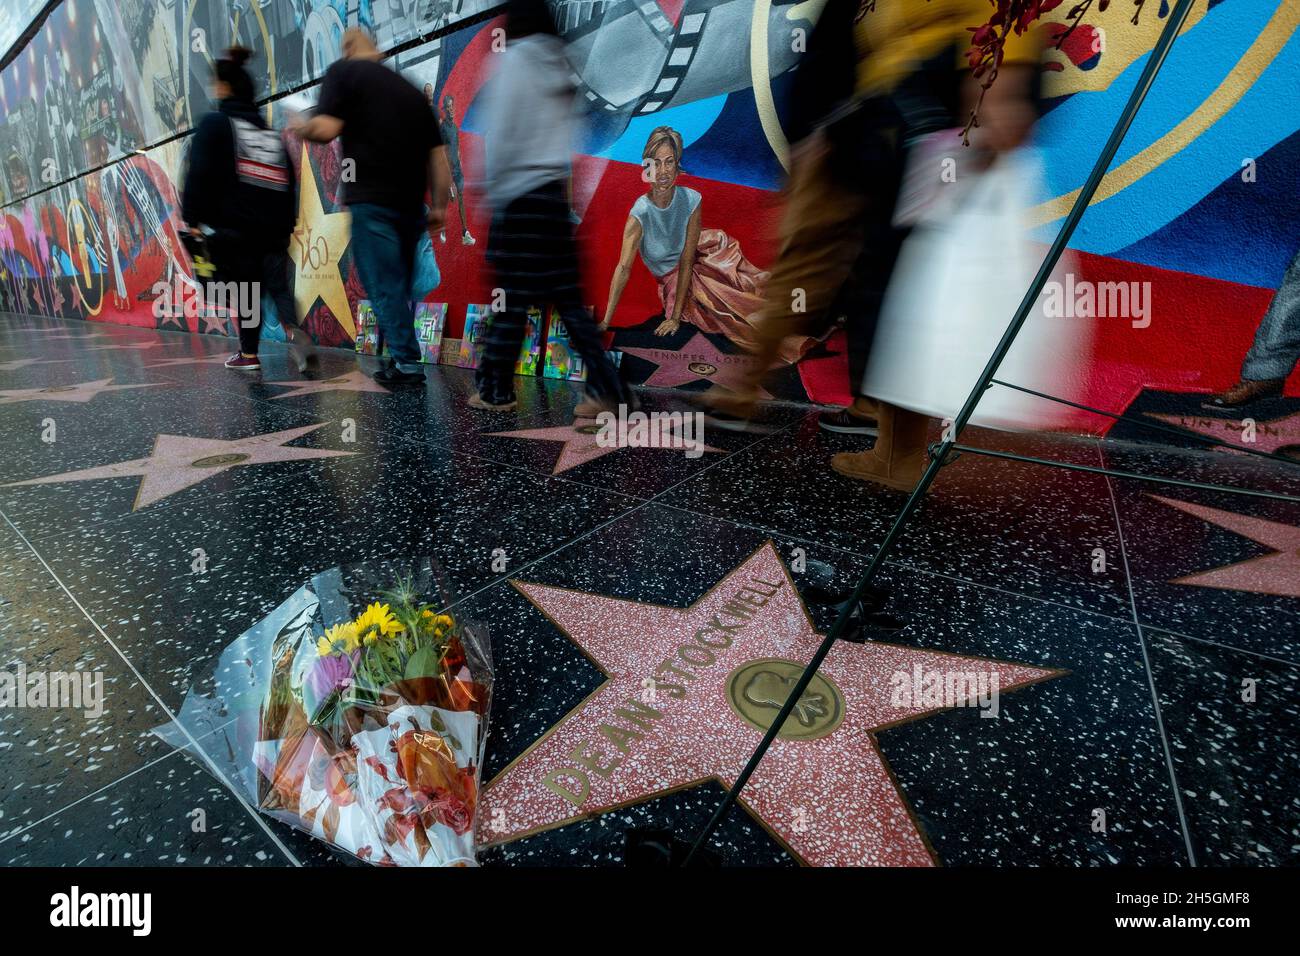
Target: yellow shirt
897, 35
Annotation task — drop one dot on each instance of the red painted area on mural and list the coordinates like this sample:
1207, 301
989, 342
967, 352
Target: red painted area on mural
1200, 330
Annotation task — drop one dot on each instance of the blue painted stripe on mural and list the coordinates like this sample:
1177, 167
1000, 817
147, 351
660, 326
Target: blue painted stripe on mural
1243, 232
1200, 61
692, 120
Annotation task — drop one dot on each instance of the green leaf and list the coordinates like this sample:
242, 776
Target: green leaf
425, 662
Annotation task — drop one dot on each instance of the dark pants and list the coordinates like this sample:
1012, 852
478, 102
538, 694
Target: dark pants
384, 243
535, 255
246, 263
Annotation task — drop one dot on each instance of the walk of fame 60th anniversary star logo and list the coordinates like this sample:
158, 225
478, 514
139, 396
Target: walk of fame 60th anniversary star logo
689, 693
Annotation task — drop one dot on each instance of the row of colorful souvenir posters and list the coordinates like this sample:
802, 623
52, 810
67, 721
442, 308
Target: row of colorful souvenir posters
559, 360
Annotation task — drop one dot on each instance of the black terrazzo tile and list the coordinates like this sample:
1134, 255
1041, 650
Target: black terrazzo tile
1237, 761
602, 841
121, 427
544, 447
533, 436
54, 755
171, 813
1022, 789
261, 542
1018, 789
1021, 527
427, 478
1215, 566
1271, 425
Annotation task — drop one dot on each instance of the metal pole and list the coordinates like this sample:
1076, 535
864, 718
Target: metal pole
1156, 60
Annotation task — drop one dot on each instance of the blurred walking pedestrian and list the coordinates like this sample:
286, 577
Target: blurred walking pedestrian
875, 79
238, 201
530, 129
390, 138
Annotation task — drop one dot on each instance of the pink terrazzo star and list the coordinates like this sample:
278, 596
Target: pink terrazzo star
581, 442
683, 703
81, 393
1277, 573
178, 462
128, 345
354, 381
1269, 436
697, 360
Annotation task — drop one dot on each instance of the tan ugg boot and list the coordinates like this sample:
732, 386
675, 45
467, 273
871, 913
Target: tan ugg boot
897, 460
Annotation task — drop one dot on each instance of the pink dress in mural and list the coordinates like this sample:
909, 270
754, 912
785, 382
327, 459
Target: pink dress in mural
726, 289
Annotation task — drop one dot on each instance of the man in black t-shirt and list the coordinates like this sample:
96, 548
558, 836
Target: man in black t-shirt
392, 155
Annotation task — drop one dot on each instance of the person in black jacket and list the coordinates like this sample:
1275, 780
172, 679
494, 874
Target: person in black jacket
239, 195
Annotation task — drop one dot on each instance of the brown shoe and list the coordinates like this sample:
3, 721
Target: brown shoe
898, 458
1244, 393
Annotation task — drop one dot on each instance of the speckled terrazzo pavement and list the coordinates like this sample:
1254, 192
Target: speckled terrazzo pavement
1121, 736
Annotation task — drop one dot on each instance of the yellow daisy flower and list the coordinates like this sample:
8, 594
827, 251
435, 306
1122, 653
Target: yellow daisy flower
377, 621
338, 640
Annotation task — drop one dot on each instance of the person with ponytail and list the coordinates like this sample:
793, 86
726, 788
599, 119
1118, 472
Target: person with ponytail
239, 196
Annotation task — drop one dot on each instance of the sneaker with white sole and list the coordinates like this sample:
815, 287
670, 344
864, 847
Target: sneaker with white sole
844, 422
243, 363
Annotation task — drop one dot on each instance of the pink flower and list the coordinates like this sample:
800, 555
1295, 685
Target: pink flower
331, 674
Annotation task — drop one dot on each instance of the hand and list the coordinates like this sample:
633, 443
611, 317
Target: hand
668, 326
436, 217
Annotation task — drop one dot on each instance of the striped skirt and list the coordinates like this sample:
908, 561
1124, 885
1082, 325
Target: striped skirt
532, 249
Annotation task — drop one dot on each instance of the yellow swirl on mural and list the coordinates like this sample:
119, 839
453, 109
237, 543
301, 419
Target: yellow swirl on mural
762, 82
1275, 35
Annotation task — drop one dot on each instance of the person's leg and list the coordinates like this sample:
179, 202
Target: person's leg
863, 296
249, 321
532, 265
1276, 348
1277, 340
498, 353
236, 271
275, 267
821, 238
604, 383
382, 250
459, 179
275, 284
898, 458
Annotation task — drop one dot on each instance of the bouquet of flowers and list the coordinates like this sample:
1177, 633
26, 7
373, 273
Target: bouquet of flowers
359, 715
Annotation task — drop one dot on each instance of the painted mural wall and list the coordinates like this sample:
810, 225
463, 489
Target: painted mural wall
1199, 214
